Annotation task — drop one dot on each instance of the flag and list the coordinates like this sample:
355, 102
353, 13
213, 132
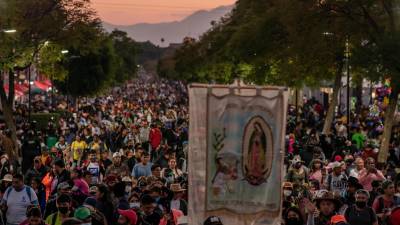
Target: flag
236, 151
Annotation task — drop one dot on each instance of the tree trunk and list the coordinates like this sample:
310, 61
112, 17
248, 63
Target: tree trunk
11, 88
389, 120
358, 94
331, 110
8, 114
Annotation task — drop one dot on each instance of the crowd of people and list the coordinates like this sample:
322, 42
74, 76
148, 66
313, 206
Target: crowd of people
335, 178
118, 159
122, 159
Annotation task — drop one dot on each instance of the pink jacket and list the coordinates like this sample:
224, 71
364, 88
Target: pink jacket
290, 146
365, 178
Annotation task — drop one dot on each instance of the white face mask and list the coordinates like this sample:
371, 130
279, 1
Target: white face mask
128, 189
287, 193
86, 223
134, 205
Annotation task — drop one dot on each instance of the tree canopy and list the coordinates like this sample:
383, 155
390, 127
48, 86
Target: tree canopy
125, 49
90, 70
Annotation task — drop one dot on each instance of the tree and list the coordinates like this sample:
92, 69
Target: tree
36, 22
90, 70
269, 42
50, 61
125, 49
376, 37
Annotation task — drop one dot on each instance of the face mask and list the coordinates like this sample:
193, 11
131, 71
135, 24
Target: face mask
128, 189
293, 221
3, 161
86, 223
63, 210
134, 205
287, 193
169, 179
361, 205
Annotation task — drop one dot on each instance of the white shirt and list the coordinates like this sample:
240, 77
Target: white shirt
354, 172
175, 204
94, 169
17, 203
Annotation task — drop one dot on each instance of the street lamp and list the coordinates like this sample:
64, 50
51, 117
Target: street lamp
9, 31
327, 33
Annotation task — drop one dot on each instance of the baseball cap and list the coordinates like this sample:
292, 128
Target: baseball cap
82, 213
338, 158
126, 179
213, 220
129, 214
338, 219
116, 154
336, 165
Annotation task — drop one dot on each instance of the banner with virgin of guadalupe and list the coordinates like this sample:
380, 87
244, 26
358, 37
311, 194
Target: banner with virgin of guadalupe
236, 147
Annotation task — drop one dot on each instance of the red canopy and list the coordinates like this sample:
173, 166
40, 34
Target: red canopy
16, 91
47, 82
41, 85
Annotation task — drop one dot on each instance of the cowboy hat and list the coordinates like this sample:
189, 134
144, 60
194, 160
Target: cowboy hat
325, 195
176, 188
287, 185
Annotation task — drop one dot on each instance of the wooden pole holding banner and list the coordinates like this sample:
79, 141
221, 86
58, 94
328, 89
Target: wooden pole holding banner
237, 87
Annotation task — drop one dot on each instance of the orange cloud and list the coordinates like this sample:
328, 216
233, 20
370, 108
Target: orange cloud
124, 12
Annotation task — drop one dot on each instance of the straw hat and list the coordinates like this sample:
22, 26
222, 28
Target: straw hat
176, 188
7, 177
325, 195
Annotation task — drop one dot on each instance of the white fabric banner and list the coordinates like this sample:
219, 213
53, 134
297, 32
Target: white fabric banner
236, 147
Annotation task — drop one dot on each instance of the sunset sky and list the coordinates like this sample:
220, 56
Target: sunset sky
126, 12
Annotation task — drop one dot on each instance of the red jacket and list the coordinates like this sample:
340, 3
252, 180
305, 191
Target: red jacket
155, 138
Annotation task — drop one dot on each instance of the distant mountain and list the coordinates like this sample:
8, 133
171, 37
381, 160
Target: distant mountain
173, 32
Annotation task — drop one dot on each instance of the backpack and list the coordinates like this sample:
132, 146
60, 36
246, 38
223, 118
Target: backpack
27, 189
353, 209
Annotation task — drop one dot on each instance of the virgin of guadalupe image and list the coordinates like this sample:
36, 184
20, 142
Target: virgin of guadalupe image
255, 152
